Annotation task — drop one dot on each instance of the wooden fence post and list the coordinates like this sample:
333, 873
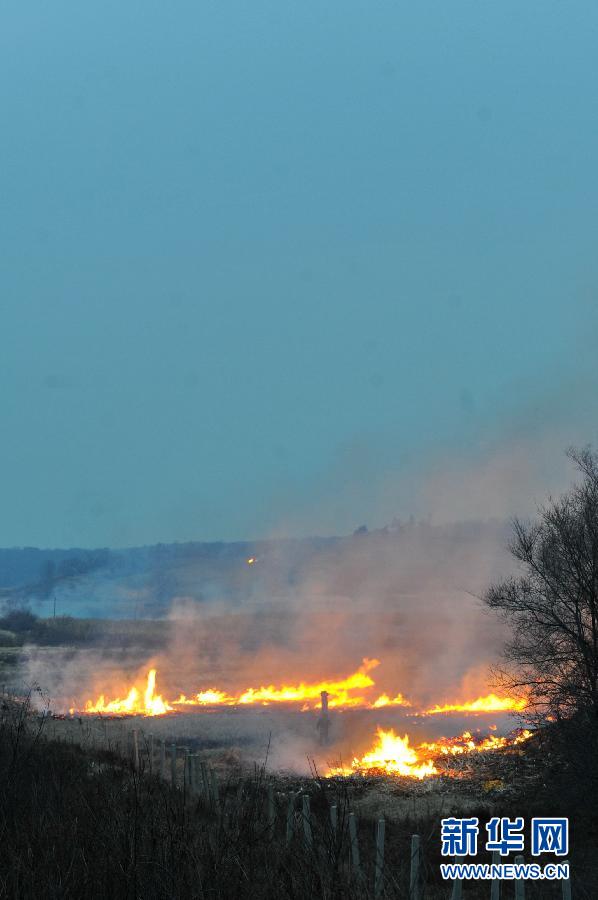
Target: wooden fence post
520, 883
186, 770
414, 882
495, 884
334, 843
150, 751
307, 834
239, 802
457, 892
290, 819
334, 819
271, 809
193, 787
379, 869
163, 760
198, 775
136, 749
566, 884
355, 861
173, 765
205, 777
215, 793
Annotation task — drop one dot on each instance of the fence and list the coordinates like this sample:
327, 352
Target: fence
287, 816
202, 780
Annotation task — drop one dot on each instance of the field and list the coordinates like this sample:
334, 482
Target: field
86, 816
82, 818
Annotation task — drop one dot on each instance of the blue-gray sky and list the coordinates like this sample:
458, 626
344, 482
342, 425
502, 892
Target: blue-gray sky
257, 258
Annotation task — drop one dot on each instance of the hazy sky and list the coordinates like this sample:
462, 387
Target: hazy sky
258, 258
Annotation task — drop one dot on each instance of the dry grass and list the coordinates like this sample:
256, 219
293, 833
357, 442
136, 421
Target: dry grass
80, 822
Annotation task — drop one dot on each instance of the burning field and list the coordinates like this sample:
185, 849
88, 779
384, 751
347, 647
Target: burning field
330, 707
364, 662
354, 691
362, 686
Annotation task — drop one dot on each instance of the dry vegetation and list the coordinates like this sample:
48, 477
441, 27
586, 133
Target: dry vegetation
78, 821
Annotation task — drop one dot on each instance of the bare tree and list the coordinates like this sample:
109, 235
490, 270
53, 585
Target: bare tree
552, 605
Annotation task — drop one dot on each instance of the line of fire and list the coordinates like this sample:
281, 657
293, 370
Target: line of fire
390, 753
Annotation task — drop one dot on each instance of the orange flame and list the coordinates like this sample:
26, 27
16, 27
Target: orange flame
491, 703
385, 700
350, 692
148, 705
341, 693
392, 755
467, 743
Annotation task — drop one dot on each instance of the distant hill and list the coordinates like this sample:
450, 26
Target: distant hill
139, 581
142, 582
